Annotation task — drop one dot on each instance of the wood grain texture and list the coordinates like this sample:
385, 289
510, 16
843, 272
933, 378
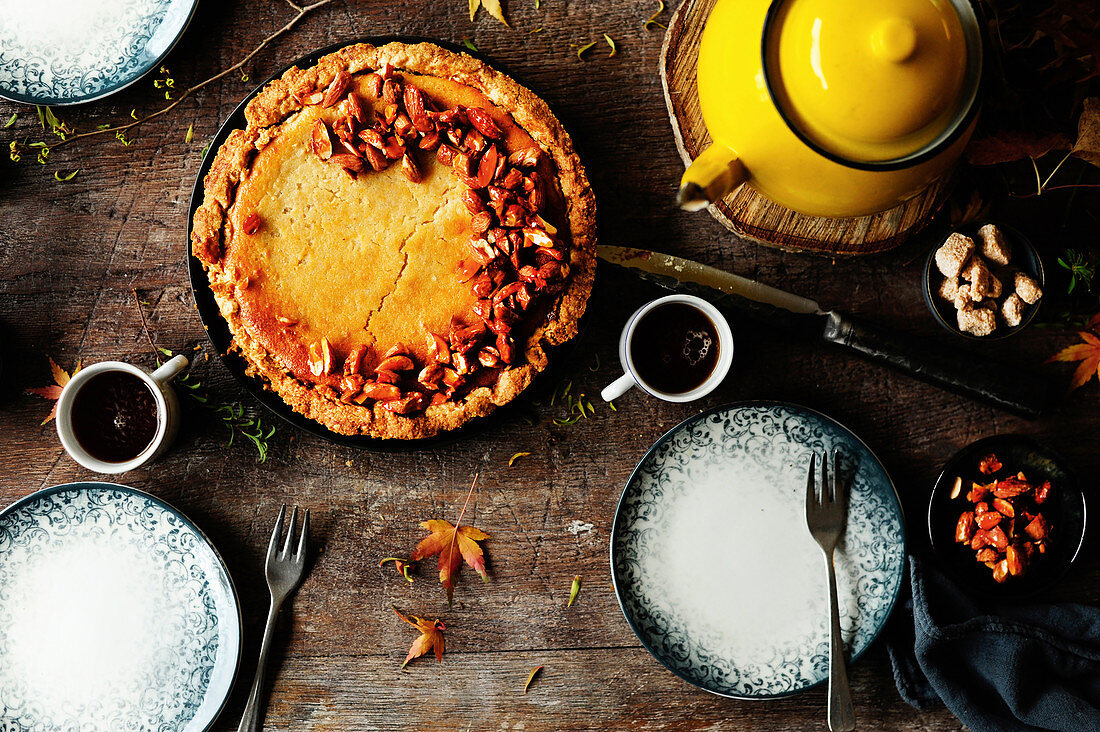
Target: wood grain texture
749, 213
70, 253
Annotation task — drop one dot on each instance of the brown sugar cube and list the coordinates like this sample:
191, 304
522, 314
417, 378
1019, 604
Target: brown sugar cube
977, 274
953, 253
963, 301
949, 288
978, 321
993, 245
993, 287
1013, 310
1027, 289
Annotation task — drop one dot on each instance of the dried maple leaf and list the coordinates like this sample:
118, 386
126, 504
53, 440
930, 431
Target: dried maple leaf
1010, 145
1088, 353
493, 6
452, 544
53, 391
1087, 146
431, 636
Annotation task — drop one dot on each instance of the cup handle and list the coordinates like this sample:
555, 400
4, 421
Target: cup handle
170, 370
618, 387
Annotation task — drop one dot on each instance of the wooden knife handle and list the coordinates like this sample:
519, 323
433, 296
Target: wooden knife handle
1002, 385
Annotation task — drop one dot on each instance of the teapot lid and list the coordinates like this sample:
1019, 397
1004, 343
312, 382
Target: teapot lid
877, 84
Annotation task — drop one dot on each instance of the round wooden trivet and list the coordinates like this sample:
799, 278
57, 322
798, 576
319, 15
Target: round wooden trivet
745, 211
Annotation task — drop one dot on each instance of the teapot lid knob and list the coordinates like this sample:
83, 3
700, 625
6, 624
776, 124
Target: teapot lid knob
895, 40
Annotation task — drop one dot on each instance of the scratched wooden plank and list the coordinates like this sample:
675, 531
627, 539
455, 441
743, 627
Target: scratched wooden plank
71, 253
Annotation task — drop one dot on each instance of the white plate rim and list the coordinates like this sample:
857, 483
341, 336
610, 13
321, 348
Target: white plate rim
730, 406
84, 485
137, 76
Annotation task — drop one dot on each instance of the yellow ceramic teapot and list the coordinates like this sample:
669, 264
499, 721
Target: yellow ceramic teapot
834, 107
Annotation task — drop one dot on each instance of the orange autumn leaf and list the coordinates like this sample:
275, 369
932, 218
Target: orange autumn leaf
1087, 353
53, 391
431, 636
453, 544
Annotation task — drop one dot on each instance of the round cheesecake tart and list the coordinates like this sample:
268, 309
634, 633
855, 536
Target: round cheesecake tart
396, 238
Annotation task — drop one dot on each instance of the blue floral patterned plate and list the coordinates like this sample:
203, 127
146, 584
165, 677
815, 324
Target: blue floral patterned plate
70, 51
116, 613
715, 569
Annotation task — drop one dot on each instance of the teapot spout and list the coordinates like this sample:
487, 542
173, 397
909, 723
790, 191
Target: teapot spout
712, 175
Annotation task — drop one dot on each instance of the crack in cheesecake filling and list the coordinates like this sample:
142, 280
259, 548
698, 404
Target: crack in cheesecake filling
395, 248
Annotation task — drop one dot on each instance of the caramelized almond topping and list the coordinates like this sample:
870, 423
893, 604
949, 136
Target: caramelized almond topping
321, 140
516, 253
483, 123
408, 167
320, 358
336, 89
251, 223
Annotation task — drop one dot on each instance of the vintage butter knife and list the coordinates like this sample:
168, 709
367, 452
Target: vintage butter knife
996, 383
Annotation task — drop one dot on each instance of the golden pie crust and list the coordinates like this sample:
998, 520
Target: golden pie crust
300, 250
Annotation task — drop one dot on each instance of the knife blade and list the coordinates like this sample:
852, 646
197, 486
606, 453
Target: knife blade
996, 383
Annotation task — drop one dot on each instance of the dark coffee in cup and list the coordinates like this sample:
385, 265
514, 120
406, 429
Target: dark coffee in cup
675, 348
114, 416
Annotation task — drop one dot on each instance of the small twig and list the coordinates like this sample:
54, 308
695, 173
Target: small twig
144, 322
303, 10
1055, 188
1043, 186
454, 537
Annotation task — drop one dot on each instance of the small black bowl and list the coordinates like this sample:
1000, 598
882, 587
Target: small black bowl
1024, 258
1065, 510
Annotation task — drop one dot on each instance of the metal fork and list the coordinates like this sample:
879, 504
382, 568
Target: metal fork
284, 573
826, 515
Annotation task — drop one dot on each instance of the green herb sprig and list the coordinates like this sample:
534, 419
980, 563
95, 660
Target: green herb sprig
579, 407
234, 417
236, 421
1081, 267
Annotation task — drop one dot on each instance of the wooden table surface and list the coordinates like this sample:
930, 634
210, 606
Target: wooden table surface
71, 252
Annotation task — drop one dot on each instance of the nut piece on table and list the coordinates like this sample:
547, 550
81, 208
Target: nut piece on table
977, 321
949, 288
1012, 310
953, 253
993, 245
1027, 289
977, 274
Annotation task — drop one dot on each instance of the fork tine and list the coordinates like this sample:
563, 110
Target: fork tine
289, 533
838, 488
826, 480
811, 485
301, 555
274, 545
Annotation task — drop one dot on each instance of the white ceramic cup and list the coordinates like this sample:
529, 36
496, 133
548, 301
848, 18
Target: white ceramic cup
168, 412
630, 378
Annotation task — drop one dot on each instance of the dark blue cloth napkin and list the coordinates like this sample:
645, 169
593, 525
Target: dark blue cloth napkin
1002, 667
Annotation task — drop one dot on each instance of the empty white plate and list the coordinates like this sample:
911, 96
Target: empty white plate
116, 613
715, 568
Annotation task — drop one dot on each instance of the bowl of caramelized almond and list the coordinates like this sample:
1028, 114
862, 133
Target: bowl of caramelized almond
1007, 516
